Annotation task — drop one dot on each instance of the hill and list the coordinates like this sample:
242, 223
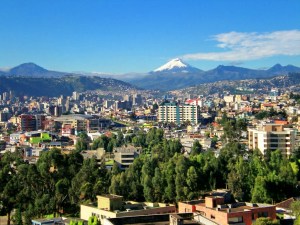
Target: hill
288, 82
37, 86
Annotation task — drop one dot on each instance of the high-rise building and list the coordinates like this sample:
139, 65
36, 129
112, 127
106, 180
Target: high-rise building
273, 137
75, 95
137, 99
5, 96
176, 113
4, 116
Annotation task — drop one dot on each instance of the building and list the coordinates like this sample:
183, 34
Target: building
113, 206
76, 123
196, 101
4, 116
272, 137
57, 221
160, 219
28, 122
213, 210
229, 99
176, 113
137, 99
125, 156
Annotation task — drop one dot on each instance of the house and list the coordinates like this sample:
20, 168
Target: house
125, 155
213, 210
160, 219
113, 206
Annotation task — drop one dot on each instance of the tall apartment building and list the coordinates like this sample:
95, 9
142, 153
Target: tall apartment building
272, 137
28, 122
176, 113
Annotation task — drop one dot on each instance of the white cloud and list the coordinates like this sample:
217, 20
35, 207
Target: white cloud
237, 46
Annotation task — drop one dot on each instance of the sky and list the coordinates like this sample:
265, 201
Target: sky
123, 36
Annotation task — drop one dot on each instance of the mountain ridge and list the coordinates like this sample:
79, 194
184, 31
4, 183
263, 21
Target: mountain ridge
175, 74
55, 86
171, 79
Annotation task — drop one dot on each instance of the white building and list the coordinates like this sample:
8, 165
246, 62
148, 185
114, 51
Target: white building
273, 137
172, 112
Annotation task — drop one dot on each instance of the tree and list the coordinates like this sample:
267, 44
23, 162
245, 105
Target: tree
266, 221
192, 183
240, 180
10, 185
170, 174
82, 142
196, 148
82, 185
93, 220
18, 217
101, 142
148, 189
295, 206
158, 185
260, 192
180, 180
120, 139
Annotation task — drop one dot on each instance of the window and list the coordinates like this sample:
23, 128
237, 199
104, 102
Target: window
235, 219
212, 217
262, 214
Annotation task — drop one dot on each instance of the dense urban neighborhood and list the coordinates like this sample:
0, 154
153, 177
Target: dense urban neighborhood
99, 156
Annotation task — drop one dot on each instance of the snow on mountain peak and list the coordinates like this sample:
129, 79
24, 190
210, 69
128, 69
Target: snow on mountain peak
174, 63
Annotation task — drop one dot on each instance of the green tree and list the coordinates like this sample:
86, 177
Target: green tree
196, 148
18, 217
158, 185
295, 207
93, 220
170, 174
148, 189
83, 142
180, 180
192, 183
266, 221
260, 192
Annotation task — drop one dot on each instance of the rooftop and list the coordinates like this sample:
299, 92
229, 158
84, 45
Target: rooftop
74, 116
111, 196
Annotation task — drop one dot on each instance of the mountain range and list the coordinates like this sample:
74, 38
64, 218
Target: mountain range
173, 75
176, 74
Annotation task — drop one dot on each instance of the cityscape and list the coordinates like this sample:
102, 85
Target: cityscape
150, 112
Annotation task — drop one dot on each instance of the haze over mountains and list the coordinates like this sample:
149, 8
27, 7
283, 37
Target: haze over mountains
175, 74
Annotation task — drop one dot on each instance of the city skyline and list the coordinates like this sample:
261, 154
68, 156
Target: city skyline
139, 36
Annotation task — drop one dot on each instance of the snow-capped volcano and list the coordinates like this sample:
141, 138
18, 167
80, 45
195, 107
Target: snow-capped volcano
176, 65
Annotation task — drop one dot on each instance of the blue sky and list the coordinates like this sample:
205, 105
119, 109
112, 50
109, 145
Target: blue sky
120, 36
